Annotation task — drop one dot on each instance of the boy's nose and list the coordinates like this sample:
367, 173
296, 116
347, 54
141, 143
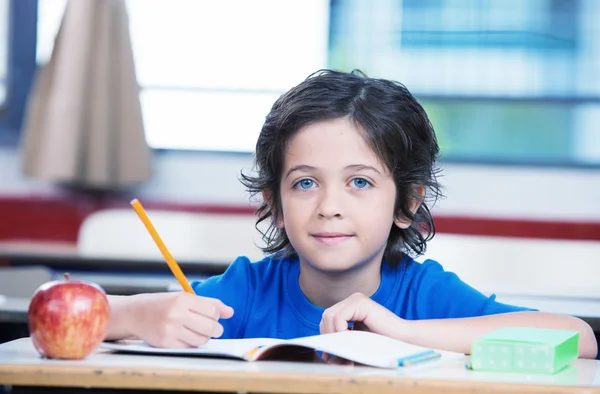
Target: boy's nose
330, 205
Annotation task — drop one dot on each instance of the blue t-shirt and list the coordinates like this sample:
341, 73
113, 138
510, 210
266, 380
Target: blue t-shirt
268, 302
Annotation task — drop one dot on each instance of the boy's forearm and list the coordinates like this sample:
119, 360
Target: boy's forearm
119, 322
458, 334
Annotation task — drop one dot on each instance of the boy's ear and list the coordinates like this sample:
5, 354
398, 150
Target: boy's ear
276, 219
400, 220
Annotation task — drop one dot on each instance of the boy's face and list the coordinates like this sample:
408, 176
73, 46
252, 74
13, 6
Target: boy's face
337, 198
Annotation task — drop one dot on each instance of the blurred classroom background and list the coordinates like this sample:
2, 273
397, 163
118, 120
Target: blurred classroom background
163, 100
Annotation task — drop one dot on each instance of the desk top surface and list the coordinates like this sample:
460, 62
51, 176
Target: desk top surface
20, 364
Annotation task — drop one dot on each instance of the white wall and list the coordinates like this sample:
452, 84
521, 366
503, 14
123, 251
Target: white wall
480, 191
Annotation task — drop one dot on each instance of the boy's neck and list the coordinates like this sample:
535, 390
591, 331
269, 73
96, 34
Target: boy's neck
326, 289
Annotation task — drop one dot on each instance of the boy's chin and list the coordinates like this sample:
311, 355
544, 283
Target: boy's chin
334, 266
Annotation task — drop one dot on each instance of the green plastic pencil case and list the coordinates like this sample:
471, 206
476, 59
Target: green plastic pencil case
529, 350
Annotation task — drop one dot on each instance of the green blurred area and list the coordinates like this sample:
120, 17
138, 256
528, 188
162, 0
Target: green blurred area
511, 81
495, 131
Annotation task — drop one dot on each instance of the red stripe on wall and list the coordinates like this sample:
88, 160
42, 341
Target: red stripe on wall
518, 228
57, 218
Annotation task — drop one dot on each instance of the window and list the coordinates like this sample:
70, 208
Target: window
50, 13
17, 63
4, 20
210, 70
503, 81
508, 81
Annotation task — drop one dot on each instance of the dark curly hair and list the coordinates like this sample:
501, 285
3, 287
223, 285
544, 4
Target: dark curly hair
397, 129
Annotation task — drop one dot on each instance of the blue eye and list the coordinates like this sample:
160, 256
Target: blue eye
305, 184
360, 183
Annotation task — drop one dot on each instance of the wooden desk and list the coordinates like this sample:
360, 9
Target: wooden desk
13, 310
125, 275
61, 256
20, 365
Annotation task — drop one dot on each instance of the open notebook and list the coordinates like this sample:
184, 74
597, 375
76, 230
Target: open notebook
358, 346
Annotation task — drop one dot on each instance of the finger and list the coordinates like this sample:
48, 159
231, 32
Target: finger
331, 324
340, 324
325, 356
203, 306
202, 325
338, 318
322, 327
225, 311
326, 325
209, 307
191, 338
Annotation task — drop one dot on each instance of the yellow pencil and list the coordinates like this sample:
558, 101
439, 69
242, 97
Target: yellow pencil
137, 206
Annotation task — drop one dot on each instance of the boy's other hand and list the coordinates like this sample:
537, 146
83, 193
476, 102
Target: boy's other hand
177, 320
365, 313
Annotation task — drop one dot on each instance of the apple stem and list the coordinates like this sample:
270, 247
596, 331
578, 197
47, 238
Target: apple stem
67, 276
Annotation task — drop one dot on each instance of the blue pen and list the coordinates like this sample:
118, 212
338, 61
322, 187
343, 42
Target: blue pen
418, 358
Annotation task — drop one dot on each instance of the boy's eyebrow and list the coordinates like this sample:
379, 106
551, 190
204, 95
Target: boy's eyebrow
355, 167
300, 167
361, 167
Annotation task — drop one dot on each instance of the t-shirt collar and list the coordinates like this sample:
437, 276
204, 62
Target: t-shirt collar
311, 314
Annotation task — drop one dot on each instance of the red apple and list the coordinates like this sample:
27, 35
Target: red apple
68, 319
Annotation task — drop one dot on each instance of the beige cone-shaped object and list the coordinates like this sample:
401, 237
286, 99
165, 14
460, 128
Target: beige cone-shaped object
83, 123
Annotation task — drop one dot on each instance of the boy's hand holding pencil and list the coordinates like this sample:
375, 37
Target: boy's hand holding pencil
178, 319
174, 320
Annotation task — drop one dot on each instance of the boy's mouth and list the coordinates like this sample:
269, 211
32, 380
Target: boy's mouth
331, 238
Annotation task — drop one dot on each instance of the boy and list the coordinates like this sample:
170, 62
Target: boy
346, 168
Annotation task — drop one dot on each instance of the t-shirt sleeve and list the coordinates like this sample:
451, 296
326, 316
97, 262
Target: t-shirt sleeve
442, 294
235, 288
